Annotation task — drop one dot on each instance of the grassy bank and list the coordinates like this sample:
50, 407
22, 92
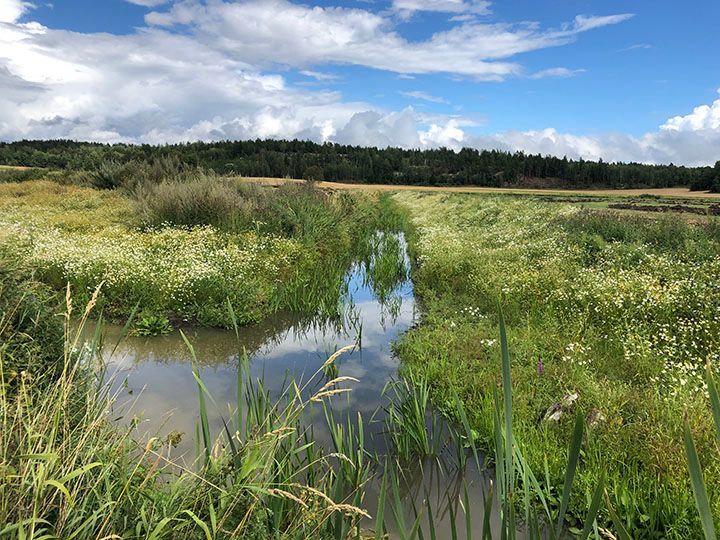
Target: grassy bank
67, 471
621, 311
179, 249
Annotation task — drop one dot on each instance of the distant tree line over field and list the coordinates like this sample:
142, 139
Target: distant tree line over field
341, 163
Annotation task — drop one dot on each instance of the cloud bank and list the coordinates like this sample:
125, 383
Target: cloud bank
218, 70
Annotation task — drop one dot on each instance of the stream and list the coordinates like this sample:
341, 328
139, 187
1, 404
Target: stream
154, 382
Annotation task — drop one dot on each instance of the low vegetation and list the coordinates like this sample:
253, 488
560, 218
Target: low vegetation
592, 402
179, 249
611, 316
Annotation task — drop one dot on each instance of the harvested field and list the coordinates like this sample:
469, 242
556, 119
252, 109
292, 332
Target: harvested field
659, 192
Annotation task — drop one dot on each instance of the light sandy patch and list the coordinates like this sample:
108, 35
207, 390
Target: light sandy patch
15, 167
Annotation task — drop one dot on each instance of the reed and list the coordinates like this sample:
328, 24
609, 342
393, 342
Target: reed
695, 468
68, 472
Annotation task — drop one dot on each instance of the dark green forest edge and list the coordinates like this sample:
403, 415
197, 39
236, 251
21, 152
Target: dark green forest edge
340, 163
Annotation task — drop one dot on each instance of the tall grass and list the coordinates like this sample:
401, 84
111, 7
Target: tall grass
696, 474
200, 199
133, 174
411, 424
31, 339
68, 472
593, 229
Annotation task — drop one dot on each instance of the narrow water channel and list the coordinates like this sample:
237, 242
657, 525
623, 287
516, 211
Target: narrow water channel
156, 388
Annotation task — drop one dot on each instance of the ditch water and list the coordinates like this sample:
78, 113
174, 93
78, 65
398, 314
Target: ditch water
154, 380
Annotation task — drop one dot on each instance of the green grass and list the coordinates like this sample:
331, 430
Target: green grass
68, 472
179, 249
31, 338
620, 310
624, 313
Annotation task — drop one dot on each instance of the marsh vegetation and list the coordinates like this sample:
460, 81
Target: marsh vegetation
548, 372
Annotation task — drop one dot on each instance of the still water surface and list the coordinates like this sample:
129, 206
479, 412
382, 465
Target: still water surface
154, 380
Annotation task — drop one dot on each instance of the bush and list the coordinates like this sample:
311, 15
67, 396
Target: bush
13, 174
109, 175
314, 174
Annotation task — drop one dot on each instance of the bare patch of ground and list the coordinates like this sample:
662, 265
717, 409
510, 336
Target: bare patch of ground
712, 210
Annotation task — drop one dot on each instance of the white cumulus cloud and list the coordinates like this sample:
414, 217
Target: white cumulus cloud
214, 70
475, 7
704, 117
692, 139
12, 10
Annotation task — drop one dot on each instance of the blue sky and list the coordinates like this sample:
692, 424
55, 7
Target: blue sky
618, 80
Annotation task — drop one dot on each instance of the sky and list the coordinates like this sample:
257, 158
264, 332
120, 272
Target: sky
618, 80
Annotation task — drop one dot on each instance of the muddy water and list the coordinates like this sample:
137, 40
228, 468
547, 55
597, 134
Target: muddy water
154, 381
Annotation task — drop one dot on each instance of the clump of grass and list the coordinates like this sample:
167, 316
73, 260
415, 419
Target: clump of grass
130, 175
410, 422
31, 336
201, 199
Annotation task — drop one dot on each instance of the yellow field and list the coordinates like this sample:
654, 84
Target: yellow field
16, 167
662, 192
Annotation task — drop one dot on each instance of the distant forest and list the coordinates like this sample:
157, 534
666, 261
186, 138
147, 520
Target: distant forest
340, 163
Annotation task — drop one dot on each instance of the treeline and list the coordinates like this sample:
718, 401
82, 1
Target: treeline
335, 162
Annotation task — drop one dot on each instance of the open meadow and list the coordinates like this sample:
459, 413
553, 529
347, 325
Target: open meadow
359, 270
617, 310
551, 353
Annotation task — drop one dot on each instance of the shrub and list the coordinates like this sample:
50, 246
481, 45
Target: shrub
314, 174
109, 175
112, 174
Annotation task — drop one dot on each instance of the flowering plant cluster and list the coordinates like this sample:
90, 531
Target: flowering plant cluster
618, 310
